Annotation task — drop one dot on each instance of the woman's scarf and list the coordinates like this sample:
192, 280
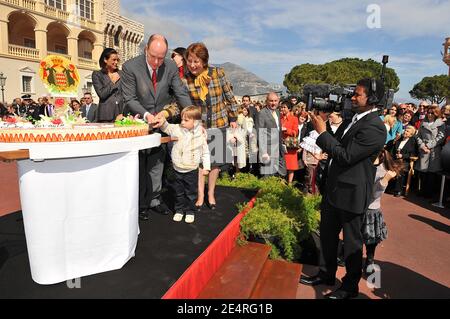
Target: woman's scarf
202, 81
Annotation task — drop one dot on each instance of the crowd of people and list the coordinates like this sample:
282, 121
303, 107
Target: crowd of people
250, 140
349, 162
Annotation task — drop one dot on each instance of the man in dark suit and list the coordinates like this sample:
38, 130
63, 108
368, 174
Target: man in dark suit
89, 110
350, 181
247, 103
268, 125
149, 83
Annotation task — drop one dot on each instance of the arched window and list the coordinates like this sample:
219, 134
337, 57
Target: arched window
117, 36
86, 42
21, 30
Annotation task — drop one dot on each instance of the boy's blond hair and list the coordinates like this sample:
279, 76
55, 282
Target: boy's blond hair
191, 113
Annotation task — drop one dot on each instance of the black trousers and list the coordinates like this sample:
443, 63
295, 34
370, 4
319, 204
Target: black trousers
185, 188
151, 168
333, 220
400, 181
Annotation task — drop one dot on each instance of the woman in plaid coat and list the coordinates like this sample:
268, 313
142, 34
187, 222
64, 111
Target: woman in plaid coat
210, 90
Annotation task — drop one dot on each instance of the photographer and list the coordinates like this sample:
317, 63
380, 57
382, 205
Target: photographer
350, 181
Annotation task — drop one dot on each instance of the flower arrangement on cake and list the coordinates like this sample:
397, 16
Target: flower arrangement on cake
67, 120
129, 120
68, 128
15, 122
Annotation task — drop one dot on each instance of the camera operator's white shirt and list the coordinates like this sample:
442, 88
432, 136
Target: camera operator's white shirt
355, 119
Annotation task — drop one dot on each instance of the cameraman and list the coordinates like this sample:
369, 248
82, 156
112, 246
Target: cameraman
351, 175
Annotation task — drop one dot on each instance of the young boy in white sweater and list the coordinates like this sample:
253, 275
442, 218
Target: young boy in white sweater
188, 152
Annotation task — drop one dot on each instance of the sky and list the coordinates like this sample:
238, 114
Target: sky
270, 37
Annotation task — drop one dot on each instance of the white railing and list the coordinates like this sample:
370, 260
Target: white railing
23, 52
61, 54
87, 23
63, 15
29, 4
48, 10
57, 13
87, 62
51, 11
13, 2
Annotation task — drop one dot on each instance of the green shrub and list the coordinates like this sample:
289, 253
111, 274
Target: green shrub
281, 211
263, 220
241, 180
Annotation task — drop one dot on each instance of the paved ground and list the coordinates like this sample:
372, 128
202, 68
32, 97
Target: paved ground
414, 260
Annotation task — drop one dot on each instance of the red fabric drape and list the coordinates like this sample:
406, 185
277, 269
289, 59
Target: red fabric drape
195, 278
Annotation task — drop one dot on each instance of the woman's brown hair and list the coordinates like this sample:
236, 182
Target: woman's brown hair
198, 49
390, 164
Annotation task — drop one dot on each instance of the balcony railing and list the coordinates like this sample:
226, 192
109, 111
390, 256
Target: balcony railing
87, 23
29, 4
49, 11
13, 2
57, 13
61, 54
87, 62
23, 52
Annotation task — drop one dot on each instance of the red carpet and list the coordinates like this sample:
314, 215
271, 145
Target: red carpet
194, 279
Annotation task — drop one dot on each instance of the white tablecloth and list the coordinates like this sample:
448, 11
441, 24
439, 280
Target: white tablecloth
80, 214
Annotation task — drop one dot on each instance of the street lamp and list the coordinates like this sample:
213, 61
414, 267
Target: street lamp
2, 85
86, 89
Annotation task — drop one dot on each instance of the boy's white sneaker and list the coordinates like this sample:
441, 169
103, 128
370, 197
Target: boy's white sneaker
189, 219
178, 217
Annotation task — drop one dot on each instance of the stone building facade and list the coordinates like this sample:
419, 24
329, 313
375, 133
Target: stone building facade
123, 34
77, 29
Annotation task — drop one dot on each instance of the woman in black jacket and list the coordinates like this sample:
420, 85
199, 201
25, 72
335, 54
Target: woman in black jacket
404, 149
107, 84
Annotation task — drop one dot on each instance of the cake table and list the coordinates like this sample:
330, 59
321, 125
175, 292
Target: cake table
80, 204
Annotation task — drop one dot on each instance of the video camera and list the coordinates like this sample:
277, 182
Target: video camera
328, 98
318, 96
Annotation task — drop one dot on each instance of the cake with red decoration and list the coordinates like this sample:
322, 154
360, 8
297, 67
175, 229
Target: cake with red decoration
68, 129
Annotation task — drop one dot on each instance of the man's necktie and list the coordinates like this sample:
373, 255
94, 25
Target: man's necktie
275, 117
354, 120
154, 79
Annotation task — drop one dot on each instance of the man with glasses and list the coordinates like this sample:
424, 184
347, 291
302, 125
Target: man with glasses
89, 110
402, 108
151, 81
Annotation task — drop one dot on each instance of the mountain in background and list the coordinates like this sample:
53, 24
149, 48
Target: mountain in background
245, 82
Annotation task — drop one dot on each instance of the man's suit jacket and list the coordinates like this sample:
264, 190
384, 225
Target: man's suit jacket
266, 125
351, 175
138, 92
92, 115
270, 138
